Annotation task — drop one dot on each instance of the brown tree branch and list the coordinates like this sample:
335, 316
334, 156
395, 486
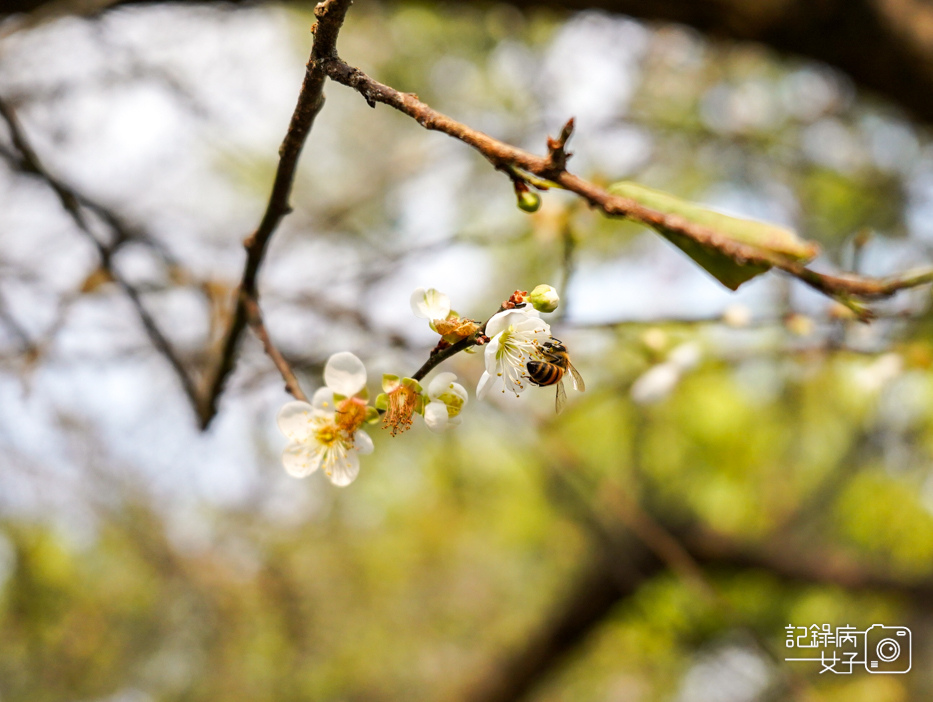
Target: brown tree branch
17, 331
254, 317
603, 583
506, 157
330, 15
625, 565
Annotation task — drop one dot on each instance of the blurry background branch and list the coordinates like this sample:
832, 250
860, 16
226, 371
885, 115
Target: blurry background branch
621, 564
883, 45
27, 161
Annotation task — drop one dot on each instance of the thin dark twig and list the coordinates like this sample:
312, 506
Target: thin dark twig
16, 329
330, 15
123, 230
254, 317
29, 162
437, 358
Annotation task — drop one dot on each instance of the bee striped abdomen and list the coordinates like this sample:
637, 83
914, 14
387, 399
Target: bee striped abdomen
542, 373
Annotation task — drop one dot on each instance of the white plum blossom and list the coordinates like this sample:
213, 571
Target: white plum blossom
446, 398
325, 432
430, 304
516, 336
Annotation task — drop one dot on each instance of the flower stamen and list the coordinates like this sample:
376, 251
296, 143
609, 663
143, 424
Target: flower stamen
403, 400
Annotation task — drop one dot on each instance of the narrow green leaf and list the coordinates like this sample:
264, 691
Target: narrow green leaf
769, 238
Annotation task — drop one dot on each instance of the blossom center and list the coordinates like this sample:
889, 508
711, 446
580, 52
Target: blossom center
453, 402
504, 342
402, 403
351, 413
327, 434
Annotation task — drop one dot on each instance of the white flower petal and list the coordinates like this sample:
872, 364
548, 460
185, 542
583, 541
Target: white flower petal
497, 323
323, 400
342, 470
436, 417
362, 443
294, 420
418, 304
532, 326
489, 357
525, 317
441, 383
460, 391
485, 385
345, 374
301, 460
430, 304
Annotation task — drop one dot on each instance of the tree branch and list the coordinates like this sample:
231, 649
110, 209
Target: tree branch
330, 15
506, 157
72, 202
624, 565
254, 316
605, 581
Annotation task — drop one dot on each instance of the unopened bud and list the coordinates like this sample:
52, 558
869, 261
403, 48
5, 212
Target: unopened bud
528, 200
544, 298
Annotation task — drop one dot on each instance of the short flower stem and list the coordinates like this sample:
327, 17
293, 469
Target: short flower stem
442, 356
461, 345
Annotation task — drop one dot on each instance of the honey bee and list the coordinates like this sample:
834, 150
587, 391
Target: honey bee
551, 371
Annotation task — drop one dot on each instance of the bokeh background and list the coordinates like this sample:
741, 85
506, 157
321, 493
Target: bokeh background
740, 462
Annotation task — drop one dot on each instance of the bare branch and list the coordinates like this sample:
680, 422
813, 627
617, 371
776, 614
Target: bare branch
254, 316
28, 162
330, 15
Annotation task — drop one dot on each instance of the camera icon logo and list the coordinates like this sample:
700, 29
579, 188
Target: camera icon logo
887, 649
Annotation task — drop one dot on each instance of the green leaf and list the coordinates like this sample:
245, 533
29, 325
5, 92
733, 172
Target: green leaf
770, 239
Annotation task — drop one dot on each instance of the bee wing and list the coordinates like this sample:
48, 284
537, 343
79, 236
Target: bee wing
578, 383
561, 399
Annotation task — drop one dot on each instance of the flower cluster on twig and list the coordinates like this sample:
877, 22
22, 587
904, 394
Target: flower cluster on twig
519, 350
